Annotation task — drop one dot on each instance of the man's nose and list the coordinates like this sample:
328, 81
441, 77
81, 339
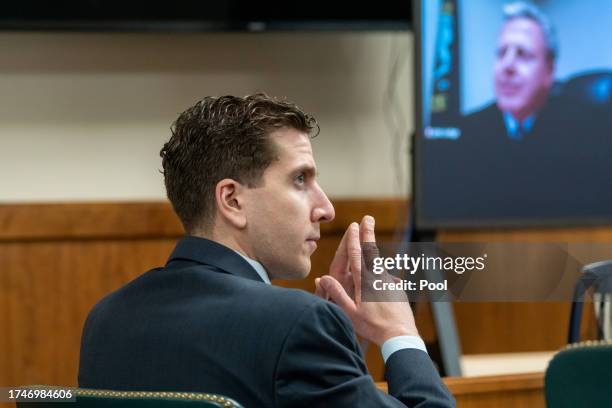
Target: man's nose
323, 210
508, 60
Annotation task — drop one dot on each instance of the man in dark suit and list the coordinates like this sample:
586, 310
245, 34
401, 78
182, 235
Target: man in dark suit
241, 176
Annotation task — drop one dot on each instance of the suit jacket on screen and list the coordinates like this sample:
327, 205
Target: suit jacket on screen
559, 167
206, 322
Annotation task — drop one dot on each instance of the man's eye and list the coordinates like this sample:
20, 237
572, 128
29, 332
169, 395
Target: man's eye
300, 179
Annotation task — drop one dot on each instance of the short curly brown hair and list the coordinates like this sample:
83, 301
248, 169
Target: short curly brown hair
223, 137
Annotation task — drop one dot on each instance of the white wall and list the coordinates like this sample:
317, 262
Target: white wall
583, 29
84, 115
480, 26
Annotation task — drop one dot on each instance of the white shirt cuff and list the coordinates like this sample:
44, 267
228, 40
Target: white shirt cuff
401, 342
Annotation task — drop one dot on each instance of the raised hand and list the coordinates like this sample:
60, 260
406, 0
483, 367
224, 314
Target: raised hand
375, 321
340, 266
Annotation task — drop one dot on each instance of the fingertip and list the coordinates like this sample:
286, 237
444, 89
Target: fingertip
355, 231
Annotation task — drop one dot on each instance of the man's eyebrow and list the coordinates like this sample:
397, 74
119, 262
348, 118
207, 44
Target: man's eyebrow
308, 169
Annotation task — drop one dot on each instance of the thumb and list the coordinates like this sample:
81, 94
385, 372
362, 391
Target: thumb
337, 294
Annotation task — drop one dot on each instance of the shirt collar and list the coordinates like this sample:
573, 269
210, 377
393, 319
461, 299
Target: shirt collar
259, 268
203, 251
516, 128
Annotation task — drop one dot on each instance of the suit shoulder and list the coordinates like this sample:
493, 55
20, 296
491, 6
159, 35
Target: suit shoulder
478, 127
314, 314
488, 112
110, 300
301, 308
297, 300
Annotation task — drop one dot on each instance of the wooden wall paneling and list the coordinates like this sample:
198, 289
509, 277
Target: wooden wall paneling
128, 220
57, 260
509, 391
47, 290
503, 327
87, 220
500, 391
570, 234
496, 327
504, 391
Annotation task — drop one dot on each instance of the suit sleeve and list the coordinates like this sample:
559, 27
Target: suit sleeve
321, 364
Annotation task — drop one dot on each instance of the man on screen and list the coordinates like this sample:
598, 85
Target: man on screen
520, 155
241, 176
523, 74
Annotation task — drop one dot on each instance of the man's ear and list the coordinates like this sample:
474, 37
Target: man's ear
229, 195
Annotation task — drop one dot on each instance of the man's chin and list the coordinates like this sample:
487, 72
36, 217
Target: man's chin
304, 269
506, 104
298, 271
511, 107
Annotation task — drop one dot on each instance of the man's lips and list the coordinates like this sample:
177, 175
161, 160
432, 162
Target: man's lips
313, 241
508, 88
314, 237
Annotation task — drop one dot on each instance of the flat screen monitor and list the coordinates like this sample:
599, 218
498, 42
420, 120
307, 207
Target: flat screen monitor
513, 113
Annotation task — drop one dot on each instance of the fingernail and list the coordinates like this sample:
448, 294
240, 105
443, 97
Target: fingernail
354, 226
369, 220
